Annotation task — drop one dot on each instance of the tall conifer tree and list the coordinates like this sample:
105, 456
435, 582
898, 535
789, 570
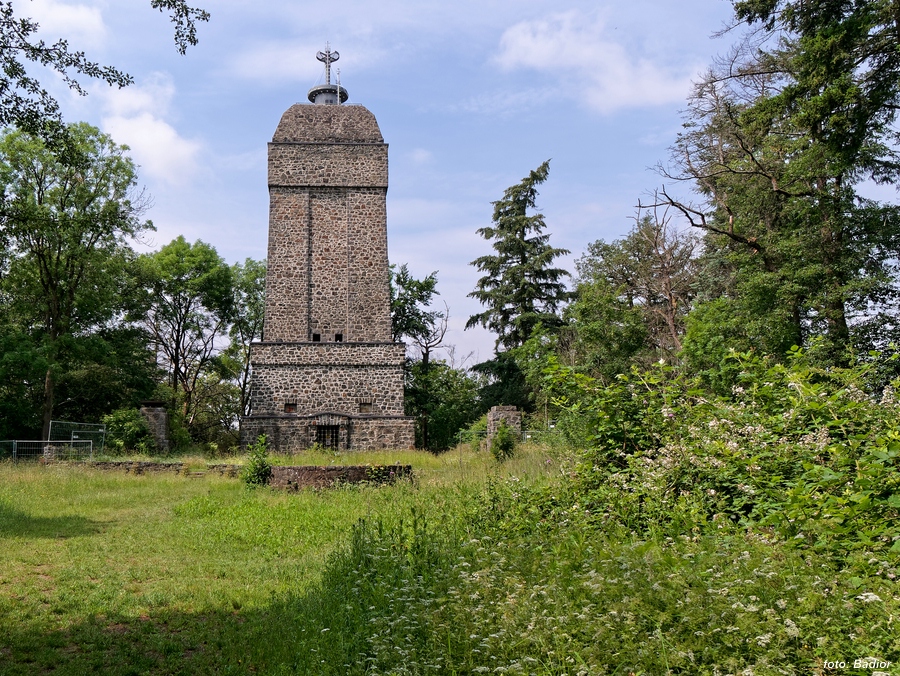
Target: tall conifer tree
520, 287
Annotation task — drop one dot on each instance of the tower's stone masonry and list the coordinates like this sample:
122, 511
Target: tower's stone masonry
326, 370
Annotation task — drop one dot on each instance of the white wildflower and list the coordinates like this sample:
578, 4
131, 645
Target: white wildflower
868, 597
763, 641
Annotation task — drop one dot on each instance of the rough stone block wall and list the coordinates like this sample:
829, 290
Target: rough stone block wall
327, 332
292, 434
158, 421
503, 414
294, 478
347, 165
287, 273
327, 124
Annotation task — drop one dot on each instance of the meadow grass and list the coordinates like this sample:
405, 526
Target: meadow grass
472, 568
114, 573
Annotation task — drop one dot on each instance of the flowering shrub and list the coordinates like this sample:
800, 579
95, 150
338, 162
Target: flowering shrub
806, 452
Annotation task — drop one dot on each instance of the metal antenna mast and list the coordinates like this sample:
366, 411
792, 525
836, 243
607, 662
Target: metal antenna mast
328, 57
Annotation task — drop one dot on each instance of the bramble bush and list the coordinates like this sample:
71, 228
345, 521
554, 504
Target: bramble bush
807, 452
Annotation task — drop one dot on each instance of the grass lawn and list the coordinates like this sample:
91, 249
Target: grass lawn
111, 573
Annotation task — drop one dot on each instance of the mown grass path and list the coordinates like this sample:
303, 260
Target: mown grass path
109, 573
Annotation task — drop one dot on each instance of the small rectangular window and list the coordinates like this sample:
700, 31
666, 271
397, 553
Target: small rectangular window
317, 338
290, 408
365, 408
338, 337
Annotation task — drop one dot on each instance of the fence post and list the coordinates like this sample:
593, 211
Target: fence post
15, 456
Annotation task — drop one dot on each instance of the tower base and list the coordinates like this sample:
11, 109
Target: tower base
339, 431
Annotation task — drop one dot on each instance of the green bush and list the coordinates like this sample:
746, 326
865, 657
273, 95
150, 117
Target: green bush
474, 434
804, 451
258, 469
503, 443
127, 431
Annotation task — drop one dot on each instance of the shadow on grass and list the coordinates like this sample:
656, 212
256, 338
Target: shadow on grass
14, 523
218, 641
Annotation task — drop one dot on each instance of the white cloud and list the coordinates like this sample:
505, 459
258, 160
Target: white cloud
586, 62
420, 156
135, 116
293, 61
76, 22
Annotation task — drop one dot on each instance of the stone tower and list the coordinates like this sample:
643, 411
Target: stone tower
326, 370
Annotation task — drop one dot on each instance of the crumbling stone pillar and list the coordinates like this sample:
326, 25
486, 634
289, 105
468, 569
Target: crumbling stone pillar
503, 414
158, 421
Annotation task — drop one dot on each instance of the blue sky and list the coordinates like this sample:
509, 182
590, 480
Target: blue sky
469, 95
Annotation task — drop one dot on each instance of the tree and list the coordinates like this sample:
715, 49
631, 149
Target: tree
520, 288
654, 269
604, 333
844, 69
798, 253
411, 319
188, 306
24, 103
443, 399
65, 222
249, 307
409, 299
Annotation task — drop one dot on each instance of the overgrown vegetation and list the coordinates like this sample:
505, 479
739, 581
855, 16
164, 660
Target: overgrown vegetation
503, 443
257, 470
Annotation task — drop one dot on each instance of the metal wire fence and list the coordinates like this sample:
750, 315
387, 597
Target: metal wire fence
544, 436
77, 450
64, 430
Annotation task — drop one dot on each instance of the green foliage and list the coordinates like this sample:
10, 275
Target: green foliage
519, 585
249, 307
644, 283
503, 443
409, 298
444, 401
26, 104
520, 288
802, 450
777, 142
127, 432
503, 382
257, 470
474, 434
188, 304
66, 219
604, 333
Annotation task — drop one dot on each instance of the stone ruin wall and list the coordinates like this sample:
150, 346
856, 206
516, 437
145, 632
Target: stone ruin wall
157, 418
503, 414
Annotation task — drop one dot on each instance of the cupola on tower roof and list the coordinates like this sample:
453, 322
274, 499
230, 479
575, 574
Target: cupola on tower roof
327, 94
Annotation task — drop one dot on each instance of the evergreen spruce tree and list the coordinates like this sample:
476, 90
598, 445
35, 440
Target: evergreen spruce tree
520, 287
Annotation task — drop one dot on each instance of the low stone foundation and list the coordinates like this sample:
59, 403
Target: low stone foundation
288, 478
295, 478
139, 467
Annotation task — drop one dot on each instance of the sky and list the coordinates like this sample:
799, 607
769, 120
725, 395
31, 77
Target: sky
470, 96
